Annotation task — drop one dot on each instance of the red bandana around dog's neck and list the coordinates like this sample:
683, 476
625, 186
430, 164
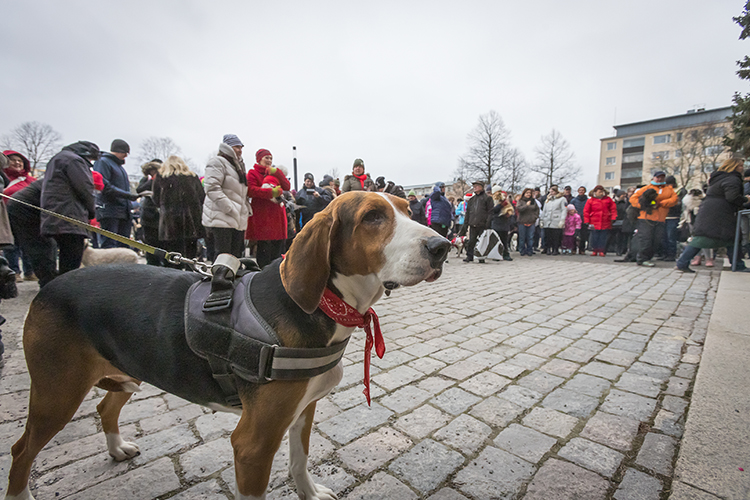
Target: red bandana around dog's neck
345, 315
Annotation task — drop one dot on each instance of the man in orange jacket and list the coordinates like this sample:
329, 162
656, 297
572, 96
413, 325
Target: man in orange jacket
651, 225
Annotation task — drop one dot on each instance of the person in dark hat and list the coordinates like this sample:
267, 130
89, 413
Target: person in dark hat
113, 203
669, 241
439, 210
477, 219
356, 181
651, 219
313, 199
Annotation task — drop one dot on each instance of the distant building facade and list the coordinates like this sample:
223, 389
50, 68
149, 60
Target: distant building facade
688, 146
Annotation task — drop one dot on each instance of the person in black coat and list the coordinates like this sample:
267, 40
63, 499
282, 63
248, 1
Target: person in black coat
113, 203
502, 215
149, 209
716, 222
418, 212
68, 189
178, 193
312, 199
477, 219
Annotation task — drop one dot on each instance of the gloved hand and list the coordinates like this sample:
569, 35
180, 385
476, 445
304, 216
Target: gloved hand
276, 191
133, 196
272, 170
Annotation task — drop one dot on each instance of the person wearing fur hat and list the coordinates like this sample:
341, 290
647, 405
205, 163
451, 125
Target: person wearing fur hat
598, 214
528, 215
478, 213
113, 204
312, 199
553, 220
225, 207
356, 181
267, 225
19, 176
149, 209
502, 213
572, 227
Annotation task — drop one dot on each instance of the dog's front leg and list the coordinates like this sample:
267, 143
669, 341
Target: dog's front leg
299, 449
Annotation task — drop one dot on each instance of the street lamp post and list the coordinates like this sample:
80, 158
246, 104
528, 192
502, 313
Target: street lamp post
294, 151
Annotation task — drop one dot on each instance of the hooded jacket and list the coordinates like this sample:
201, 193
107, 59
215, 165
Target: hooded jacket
17, 180
600, 212
114, 200
226, 203
67, 189
717, 215
441, 208
554, 212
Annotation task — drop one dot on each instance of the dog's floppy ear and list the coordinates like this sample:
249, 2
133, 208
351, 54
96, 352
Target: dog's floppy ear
307, 265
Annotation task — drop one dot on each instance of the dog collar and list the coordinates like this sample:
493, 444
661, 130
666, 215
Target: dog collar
345, 315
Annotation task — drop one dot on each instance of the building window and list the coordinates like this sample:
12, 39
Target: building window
662, 139
660, 155
611, 146
611, 160
632, 158
713, 150
608, 176
634, 143
678, 136
635, 173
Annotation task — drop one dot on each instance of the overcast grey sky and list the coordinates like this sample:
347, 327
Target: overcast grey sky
397, 83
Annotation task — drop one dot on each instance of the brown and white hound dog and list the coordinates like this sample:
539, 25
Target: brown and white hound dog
116, 326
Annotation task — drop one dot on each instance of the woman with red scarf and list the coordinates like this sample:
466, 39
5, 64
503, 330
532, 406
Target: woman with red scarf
267, 224
356, 181
18, 173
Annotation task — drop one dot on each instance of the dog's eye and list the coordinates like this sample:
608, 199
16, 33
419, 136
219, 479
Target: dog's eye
373, 217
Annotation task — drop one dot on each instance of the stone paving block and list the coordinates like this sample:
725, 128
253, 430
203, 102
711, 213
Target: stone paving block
674, 405
178, 416
611, 430
660, 358
521, 396
420, 349
603, 370
455, 400
426, 465
560, 367
600, 335
397, 377
526, 443
571, 402
476, 344
587, 384
617, 356
540, 382
628, 345
686, 371
659, 373
325, 409
405, 399
373, 450
656, 454
73, 431
592, 456
422, 421
451, 354
576, 354
447, 494
164, 443
496, 411
629, 405
215, 425
527, 361
485, 384
461, 370
494, 474
77, 476
560, 480
427, 365
465, 433
331, 476
677, 386
522, 342
682, 491
550, 422
508, 369
206, 459
202, 491
354, 422
486, 358
639, 384
434, 385
542, 350
638, 486
156, 479
380, 486
351, 397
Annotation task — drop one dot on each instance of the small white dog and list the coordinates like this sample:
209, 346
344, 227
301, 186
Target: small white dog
99, 256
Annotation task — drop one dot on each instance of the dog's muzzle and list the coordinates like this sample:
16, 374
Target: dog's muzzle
437, 250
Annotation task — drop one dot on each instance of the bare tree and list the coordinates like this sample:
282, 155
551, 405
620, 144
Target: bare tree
487, 143
555, 163
334, 172
514, 173
37, 141
157, 147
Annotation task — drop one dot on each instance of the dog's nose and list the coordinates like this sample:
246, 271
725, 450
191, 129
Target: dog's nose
437, 250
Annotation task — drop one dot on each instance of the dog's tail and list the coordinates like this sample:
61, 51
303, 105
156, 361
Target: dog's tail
118, 383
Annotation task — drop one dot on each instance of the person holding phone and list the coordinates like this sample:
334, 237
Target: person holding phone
312, 199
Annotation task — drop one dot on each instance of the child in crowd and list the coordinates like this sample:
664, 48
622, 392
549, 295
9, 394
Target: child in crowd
572, 226
270, 182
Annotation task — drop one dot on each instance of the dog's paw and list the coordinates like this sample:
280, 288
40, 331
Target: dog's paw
121, 450
321, 493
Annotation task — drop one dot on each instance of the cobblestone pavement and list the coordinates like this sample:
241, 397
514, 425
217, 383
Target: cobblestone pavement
538, 378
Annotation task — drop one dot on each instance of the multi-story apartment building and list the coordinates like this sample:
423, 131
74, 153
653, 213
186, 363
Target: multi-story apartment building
688, 146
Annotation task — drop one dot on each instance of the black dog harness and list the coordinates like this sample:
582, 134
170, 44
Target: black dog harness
223, 327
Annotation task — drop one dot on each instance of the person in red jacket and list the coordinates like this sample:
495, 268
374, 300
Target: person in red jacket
18, 172
598, 213
267, 224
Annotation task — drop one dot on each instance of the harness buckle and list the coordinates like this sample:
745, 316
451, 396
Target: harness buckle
265, 362
218, 301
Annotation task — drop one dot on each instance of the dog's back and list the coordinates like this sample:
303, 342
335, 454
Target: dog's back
100, 256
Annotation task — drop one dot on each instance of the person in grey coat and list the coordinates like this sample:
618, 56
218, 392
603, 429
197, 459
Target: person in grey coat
68, 189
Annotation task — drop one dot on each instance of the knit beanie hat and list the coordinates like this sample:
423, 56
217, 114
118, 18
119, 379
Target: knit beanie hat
572, 208
232, 140
119, 146
412, 193
359, 162
308, 175
260, 154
